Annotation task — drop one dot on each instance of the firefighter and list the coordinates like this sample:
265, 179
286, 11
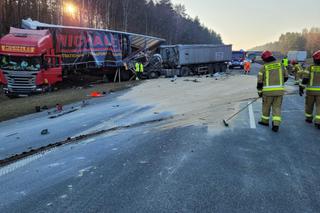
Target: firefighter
141, 68
137, 69
297, 71
311, 82
285, 62
271, 79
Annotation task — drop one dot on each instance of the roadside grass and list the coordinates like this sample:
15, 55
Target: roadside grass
12, 108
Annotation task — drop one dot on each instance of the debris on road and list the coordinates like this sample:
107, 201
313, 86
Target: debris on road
174, 78
84, 103
64, 113
45, 132
96, 94
10, 135
194, 80
38, 108
59, 107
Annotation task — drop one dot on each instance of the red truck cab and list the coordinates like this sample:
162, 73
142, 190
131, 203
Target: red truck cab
28, 62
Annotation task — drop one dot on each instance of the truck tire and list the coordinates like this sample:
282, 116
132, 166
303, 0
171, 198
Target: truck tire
223, 68
12, 96
216, 68
185, 71
153, 75
125, 75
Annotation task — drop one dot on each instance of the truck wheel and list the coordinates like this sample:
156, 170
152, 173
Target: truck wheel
153, 75
12, 96
125, 75
185, 71
223, 67
216, 68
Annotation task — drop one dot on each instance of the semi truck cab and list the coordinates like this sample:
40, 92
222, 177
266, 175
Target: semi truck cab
28, 62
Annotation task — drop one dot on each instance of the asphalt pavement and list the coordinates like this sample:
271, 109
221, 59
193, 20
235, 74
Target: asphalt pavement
243, 168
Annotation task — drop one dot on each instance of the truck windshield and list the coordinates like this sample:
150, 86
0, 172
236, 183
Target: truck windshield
20, 63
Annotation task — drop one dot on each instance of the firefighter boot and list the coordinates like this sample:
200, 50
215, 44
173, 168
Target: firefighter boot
263, 123
309, 120
275, 128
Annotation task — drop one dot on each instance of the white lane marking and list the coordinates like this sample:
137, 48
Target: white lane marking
251, 116
12, 167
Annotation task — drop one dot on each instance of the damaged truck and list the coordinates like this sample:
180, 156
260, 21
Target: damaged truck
39, 55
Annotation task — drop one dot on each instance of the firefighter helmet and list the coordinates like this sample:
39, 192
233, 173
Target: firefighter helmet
266, 54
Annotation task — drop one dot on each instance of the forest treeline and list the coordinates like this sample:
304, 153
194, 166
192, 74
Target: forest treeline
158, 18
308, 40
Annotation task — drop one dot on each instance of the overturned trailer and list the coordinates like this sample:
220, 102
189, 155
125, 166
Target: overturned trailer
40, 55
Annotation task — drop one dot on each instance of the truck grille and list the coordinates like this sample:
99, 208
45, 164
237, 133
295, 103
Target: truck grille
20, 81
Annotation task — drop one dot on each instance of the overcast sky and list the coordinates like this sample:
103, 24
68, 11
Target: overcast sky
248, 23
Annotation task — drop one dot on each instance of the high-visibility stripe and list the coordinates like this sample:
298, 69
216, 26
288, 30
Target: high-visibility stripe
308, 115
273, 89
260, 73
276, 118
313, 89
267, 77
280, 77
265, 117
318, 117
315, 69
137, 67
311, 78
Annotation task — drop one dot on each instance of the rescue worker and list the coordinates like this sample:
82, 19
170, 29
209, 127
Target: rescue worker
137, 69
285, 62
271, 79
247, 67
297, 71
311, 82
141, 69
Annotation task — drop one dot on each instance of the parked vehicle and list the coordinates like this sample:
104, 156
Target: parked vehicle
41, 55
185, 60
237, 60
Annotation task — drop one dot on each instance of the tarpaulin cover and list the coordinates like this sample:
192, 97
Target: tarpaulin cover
99, 48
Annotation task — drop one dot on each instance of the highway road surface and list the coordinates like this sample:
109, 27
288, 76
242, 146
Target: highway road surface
151, 166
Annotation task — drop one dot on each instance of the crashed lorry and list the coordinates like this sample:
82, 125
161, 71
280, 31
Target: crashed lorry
196, 59
39, 55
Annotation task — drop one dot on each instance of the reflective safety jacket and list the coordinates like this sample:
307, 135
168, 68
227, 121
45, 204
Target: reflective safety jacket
299, 72
285, 62
141, 67
311, 80
271, 77
137, 67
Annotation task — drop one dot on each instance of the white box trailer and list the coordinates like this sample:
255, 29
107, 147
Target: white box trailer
299, 56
